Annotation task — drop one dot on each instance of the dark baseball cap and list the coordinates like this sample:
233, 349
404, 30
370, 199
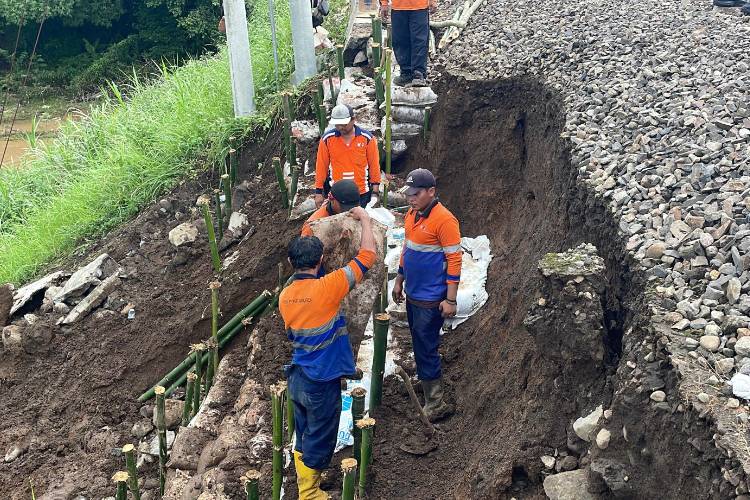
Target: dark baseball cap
420, 178
346, 193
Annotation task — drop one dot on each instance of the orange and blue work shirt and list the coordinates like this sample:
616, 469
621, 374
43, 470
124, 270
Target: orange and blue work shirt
322, 212
431, 257
407, 4
359, 161
311, 309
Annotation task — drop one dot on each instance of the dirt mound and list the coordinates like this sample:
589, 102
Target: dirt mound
70, 406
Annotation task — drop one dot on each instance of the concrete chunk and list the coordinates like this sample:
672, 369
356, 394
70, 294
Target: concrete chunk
94, 299
87, 276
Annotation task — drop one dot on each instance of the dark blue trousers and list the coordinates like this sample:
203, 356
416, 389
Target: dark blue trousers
425, 324
317, 408
410, 32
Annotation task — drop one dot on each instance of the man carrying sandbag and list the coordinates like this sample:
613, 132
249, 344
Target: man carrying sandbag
431, 268
322, 353
344, 196
347, 152
410, 37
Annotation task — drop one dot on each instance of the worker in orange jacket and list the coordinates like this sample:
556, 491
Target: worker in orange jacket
322, 353
410, 37
430, 266
344, 196
347, 152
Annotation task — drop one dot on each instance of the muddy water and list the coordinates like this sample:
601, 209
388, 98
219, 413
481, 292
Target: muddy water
18, 144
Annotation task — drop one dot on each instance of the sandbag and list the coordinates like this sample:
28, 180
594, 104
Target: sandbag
413, 96
407, 114
402, 130
341, 236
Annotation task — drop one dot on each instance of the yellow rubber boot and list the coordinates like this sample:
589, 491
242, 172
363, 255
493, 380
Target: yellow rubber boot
308, 481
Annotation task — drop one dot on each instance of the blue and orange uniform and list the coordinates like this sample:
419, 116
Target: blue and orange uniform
322, 212
430, 259
358, 161
322, 354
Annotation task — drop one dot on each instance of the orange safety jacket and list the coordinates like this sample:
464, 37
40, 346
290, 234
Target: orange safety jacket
323, 211
431, 256
359, 161
311, 310
406, 4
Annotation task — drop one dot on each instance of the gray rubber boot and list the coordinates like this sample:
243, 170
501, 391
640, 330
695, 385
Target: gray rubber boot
435, 406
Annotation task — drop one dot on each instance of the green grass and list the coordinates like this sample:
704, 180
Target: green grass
102, 170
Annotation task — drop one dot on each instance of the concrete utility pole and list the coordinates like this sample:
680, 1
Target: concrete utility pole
241, 70
302, 40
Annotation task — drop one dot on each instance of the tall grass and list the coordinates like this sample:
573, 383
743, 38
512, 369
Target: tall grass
100, 171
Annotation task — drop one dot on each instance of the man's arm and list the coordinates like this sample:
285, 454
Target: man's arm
398, 284
373, 164
322, 163
449, 235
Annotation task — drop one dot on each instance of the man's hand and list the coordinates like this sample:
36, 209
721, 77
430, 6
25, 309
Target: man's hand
398, 290
375, 188
319, 200
385, 13
360, 214
447, 309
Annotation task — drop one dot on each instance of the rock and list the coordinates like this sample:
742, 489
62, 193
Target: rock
86, 277
37, 338
710, 342
93, 300
61, 308
732, 403
602, 439
656, 250
185, 233
152, 447
584, 426
14, 452
12, 339
141, 429
725, 365
548, 461
606, 474
24, 294
238, 223
658, 396
741, 385
742, 347
6, 303
734, 287
566, 463
703, 397
571, 485
172, 413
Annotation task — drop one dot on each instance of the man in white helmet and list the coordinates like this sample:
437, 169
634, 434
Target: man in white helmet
347, 152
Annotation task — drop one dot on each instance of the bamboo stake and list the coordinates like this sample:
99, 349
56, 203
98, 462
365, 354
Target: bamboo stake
388, 143
227, 183
330, 84
379, 88
161, 427
426, 124
295, 180
358, 411
286, 109
377, 56
316, 104
348, 469
251, 479
277, 392
340, 60
377, 29
121, 479
233, 166
198, 356
365, 425
281, 181
228, 330
380, 340
219, 214
214, 287
211, 237
127, 450
187, 409
208, 379
289, 418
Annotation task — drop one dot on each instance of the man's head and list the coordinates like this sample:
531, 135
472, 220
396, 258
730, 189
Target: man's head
305, 252
342, 117
420, 188
344, 196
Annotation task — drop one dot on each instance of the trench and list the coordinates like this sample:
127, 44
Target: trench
504, 170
